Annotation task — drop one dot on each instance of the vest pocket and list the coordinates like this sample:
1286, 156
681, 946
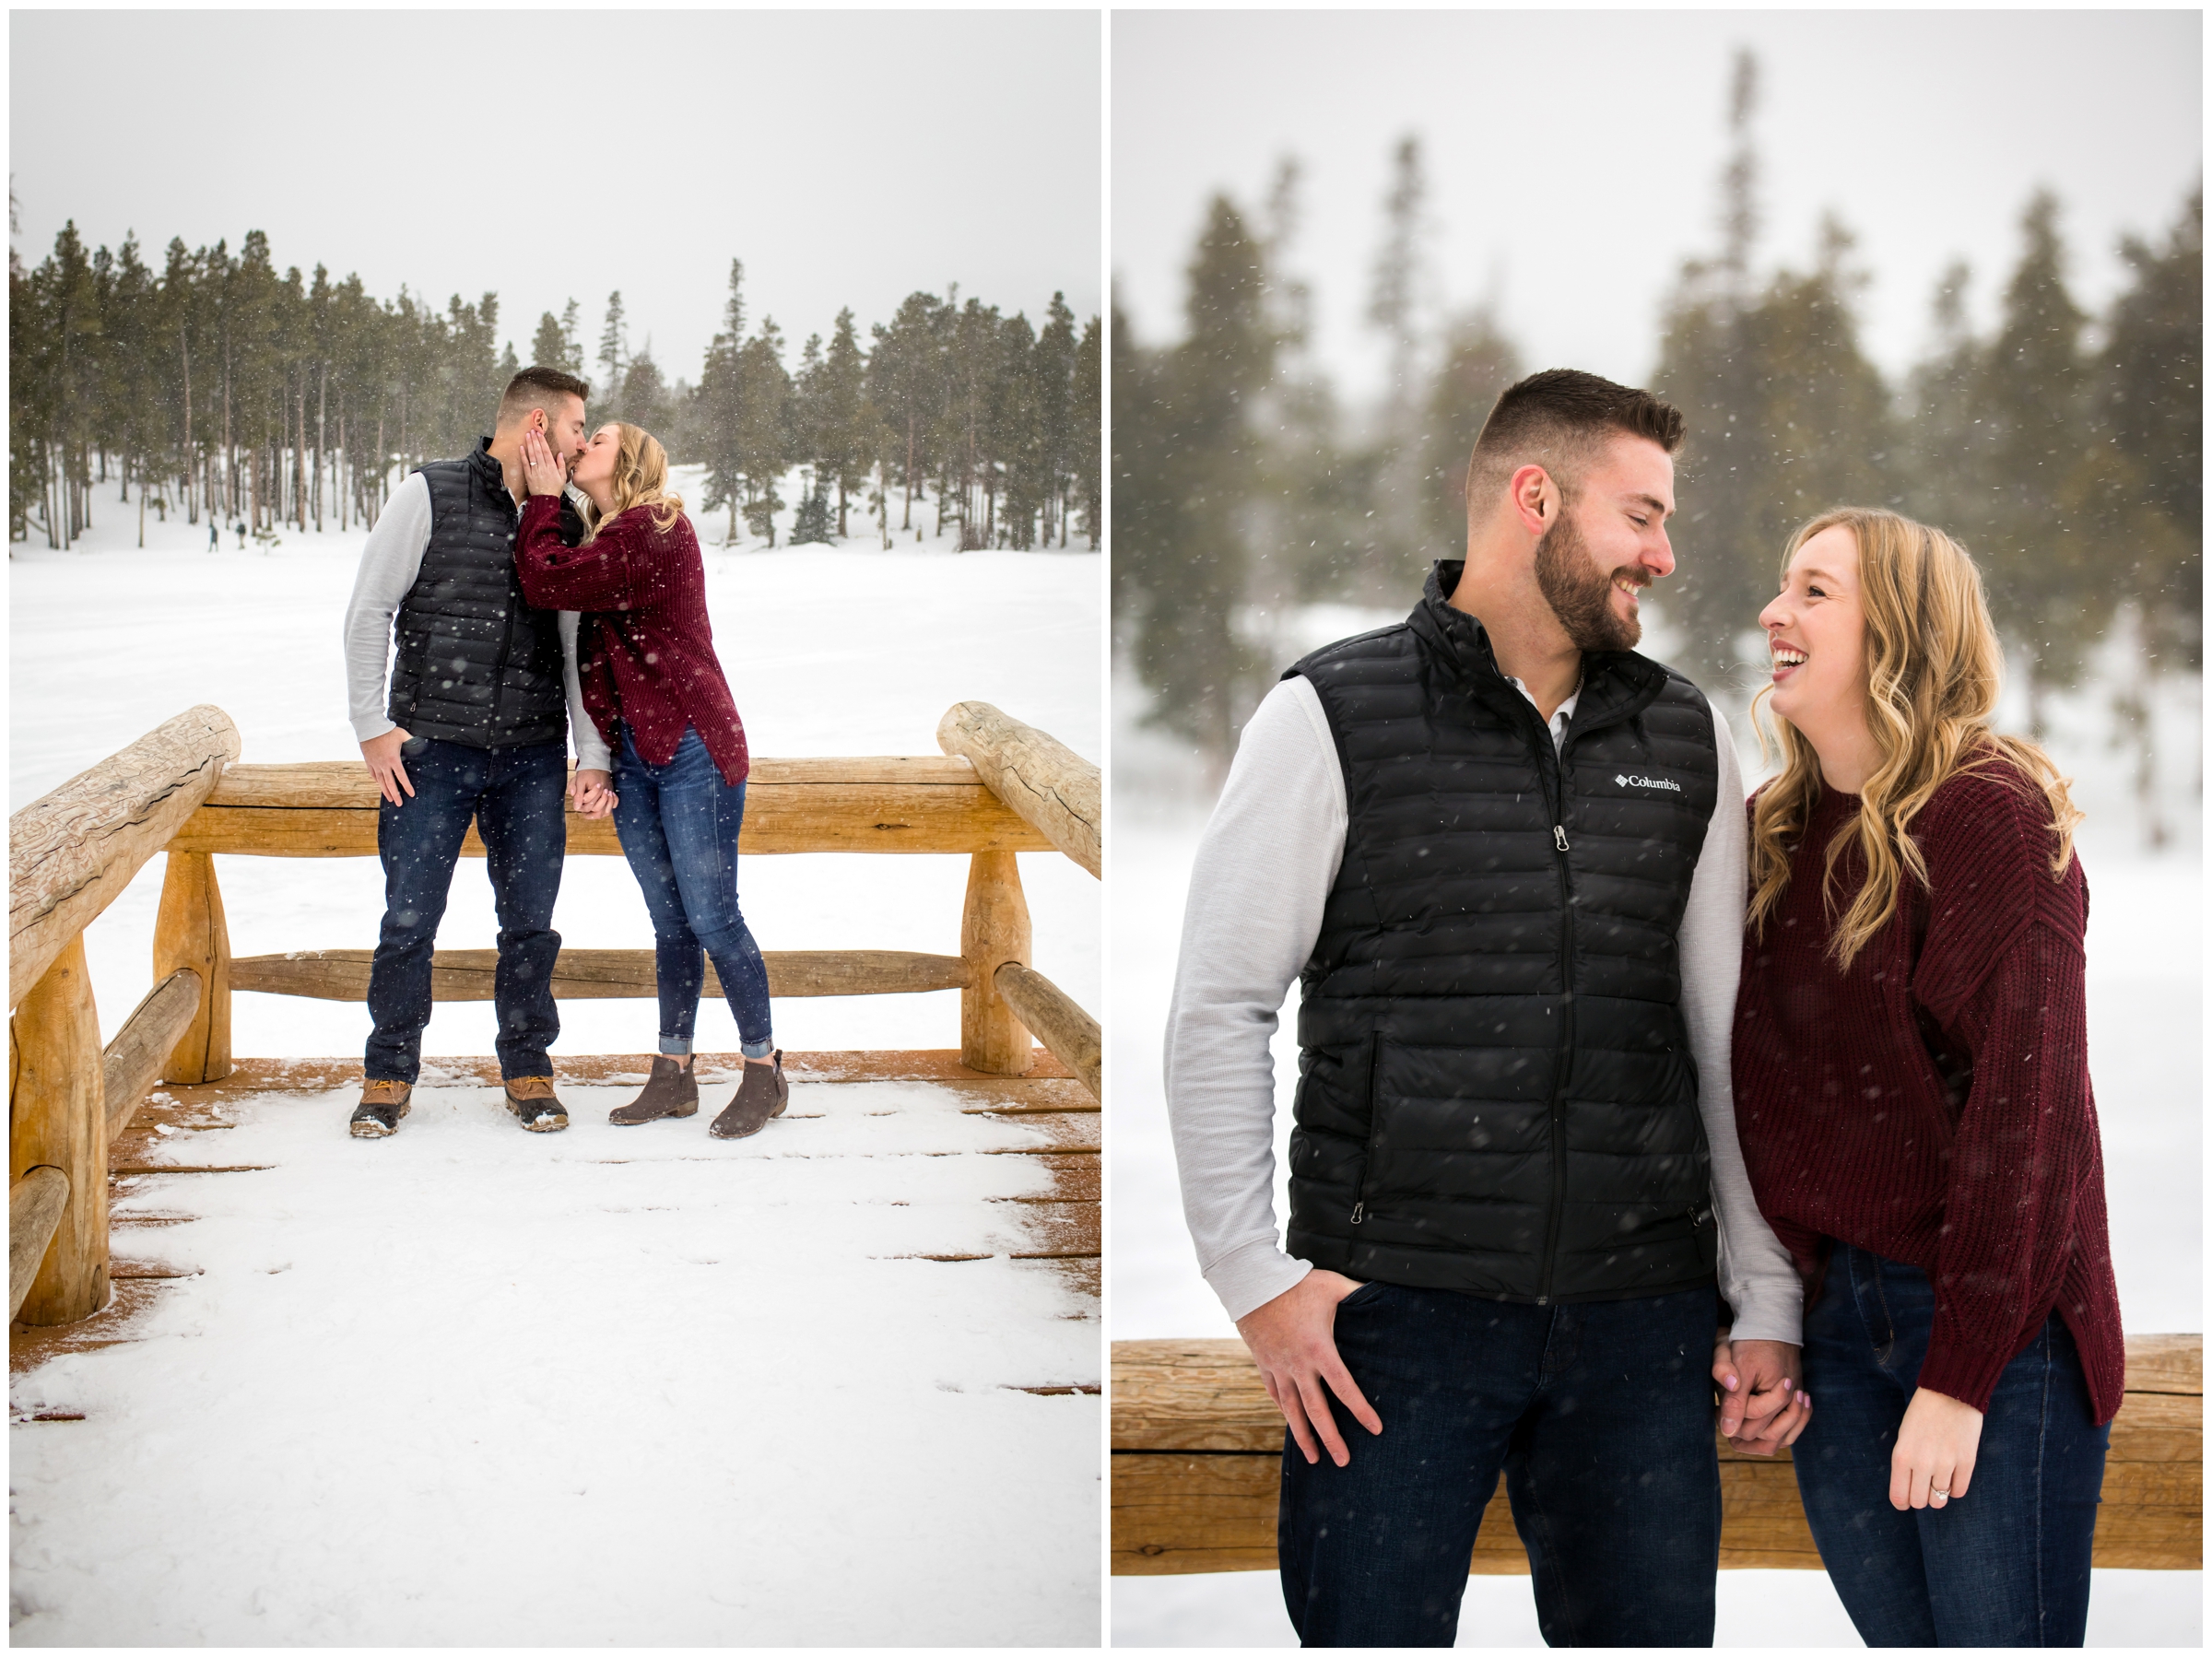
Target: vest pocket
1375, 1129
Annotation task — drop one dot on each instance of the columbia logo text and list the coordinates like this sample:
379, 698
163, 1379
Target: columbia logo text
1625, 781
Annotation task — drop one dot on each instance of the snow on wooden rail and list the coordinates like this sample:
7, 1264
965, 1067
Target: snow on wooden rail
71, 852
1053, 788
1197, 1459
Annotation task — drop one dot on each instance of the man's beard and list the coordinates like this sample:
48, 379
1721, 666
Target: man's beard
1579, 594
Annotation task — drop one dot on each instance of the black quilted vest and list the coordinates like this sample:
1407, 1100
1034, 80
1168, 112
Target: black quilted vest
1495, 1093
475, 664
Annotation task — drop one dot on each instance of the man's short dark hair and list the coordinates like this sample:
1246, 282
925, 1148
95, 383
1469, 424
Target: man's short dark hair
534, 388
1556, 419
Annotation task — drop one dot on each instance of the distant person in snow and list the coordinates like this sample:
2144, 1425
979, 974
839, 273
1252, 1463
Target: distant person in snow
1913, 1089
241, 534
654, 684
482, 696
1504, 853
214, 536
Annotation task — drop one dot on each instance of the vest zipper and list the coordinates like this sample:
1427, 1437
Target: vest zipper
499, 670
1374, 1125
1558, 1088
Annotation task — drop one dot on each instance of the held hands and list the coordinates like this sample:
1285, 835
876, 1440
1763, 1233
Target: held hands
381, 755
1934, 1455
1293, 1340
1762, 1407
589, 795
541, 471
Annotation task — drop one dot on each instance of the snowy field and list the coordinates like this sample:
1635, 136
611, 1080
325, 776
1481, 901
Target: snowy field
2146, 981
489, 1425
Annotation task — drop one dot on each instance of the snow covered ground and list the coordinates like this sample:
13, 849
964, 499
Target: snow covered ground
657, 1402
2146, 953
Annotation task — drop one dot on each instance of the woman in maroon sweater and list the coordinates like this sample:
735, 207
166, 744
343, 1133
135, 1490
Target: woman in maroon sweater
1912, 1092
654, 686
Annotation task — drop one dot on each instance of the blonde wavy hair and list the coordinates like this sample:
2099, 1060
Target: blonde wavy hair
640, 479
1933, 667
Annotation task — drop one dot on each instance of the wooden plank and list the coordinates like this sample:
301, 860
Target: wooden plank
58, 1118
29, 1345
72, 851
1059, 1023
35, 1201
1197, 1451
1171, 1514
2166, 1363
1075, 1178
1191, 1395
2158, 1426
1050, 785
894, 804
1053, 1229
1047, 1087
994, 928
604, 974
191, 935
133, 1061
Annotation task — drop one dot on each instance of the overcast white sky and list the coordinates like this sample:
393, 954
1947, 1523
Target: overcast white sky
848, 158
1574, 157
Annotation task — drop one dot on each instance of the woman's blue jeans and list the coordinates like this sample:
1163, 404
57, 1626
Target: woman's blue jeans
2006, 1564
679, 827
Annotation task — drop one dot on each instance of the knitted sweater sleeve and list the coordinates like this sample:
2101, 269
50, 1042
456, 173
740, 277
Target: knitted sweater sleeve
2001, 971
608, 572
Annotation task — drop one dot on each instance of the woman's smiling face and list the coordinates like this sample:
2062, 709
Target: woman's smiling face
1816, 633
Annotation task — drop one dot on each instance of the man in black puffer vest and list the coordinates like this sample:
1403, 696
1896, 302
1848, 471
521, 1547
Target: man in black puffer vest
1504, 856
483, 693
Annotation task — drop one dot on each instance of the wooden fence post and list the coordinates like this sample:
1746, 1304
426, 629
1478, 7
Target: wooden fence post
190, 934
58, 1118
994, 928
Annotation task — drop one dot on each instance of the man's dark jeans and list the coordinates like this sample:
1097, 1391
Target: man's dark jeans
1601, 1414
2006, 1564
517, 797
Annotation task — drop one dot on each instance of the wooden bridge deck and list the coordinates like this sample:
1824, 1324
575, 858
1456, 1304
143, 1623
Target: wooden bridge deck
1051, 1124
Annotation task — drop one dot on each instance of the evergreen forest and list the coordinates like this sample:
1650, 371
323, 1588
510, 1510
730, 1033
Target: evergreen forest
2063, 450
211, 385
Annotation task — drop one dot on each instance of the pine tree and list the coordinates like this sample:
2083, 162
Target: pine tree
905, 378
719, 403
1090, 392
2151, 391
848, 423
2038, 556
572, 340
1054, 372
813, 524
613, 354
764, 427
548, 348
645, 401
1480, 363
1185, 467
1393, 308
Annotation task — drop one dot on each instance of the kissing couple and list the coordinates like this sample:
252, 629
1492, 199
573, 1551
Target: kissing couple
546, 586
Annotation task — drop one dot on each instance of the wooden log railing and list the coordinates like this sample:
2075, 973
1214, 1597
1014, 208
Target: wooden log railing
70, 854
1056, 792
1009, 789
1197, 1468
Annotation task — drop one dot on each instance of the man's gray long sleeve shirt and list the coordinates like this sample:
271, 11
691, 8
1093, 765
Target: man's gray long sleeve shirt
389, 562
1263, 871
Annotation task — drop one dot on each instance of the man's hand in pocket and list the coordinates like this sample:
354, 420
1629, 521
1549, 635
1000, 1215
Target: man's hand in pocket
1293, 1340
